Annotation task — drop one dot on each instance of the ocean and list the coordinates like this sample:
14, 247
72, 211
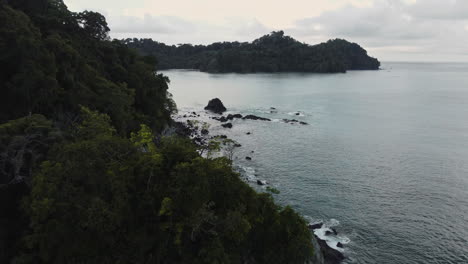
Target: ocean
383, 159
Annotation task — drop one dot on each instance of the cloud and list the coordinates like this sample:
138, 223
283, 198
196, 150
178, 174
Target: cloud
395, 29
150, 24
437, 9
388, 29
174, 30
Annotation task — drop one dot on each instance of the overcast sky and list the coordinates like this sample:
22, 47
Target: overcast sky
391, 30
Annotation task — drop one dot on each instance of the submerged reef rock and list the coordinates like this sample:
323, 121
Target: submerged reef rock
254, 117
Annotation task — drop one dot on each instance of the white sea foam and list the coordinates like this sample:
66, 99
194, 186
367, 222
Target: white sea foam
331, 240
263, 111
333, 222
248, 173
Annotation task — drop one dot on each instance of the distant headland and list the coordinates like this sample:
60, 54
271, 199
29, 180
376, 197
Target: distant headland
274, 52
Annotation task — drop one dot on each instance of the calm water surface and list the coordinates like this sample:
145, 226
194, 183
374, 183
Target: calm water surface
384, 158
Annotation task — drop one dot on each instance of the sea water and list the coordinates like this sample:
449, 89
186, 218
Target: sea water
383, 159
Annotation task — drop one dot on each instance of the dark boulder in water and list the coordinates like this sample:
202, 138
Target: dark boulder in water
227, 125
339, 245
182, 129
205, 131
248, 158
216, 106
315, 226
294, 121
259, 182
334, 231
222, 119
231, 117
254, 117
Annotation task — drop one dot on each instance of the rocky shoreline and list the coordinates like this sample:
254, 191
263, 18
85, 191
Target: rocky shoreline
326, 253
201, 136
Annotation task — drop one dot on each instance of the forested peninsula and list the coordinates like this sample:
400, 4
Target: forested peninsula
274, 52
88, 170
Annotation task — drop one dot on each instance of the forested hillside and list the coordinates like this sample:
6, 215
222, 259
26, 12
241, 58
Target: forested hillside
271, 53
85, 173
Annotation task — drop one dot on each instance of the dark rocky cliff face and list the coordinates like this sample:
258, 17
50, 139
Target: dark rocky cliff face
318, 256
324, 254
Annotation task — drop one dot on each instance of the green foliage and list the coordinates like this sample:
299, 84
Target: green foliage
166, 207
80, 184
272, 190
271, 53
94, 124
24, 143
58, 61
26, 79
94, 24
103, 199
218, 144
144, 139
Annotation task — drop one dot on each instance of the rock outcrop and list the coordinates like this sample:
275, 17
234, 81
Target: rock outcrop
315, 226
216, 106
330, 255
254, 117
227, 125
259, 182
294, 121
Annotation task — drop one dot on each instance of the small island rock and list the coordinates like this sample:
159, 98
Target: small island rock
216, 106
254, 117
227, 125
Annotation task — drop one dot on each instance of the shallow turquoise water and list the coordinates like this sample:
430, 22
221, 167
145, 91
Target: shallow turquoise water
385, 152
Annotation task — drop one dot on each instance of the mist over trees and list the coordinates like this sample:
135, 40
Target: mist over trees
274, 52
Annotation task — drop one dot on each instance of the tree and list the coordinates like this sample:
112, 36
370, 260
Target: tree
23, 144
274, 52
82, 179
30, 6
94, 24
